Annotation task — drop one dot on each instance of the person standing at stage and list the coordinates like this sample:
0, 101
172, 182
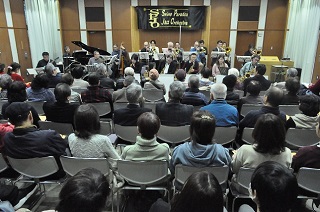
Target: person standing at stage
45, 60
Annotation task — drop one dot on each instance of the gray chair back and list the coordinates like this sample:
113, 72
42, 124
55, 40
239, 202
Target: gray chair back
105, 128
37, 106
152, 95
61, 128
297, 138
174, 134
225, 135
308, 179
290, 110
103, 108
246, 108
127, 133
247, 135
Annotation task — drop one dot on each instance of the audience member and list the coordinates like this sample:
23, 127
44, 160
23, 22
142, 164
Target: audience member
105, 80
291, 98
180, 75
290, 74
225, 114
68, 79
17, 93
200, 151
173, 113
39, 91
2, 67
120, 95
154, 83
128, 71
308, 119
26, 141
235, 72
5, 81
253, 88
146, 147
61, 111
192, 96
53, 75
205, 82
77, 73
230, 81
264, 83
88, 190
14, 72
269, 136
86, 142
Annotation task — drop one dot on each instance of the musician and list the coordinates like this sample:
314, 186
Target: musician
178, 51
135, 64
200, 54
95, 59
258, 76
192, 65
250, 65
220, 66
250, 50
154, 51
66, 52
169, 66
227, 55
217, 49
45, 60
67, 56
146, 47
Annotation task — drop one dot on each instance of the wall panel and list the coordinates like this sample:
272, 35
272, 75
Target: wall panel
316, 69
144, 3
5, 49
273, 43
3, 21
196, 2
171, 3
276, 15
220, 14
95, 3
120, 14
17, 11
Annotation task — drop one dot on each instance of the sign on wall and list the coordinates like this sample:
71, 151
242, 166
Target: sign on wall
171, 17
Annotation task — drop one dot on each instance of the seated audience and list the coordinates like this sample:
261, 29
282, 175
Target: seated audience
274, 188
200, 151
26, 141
192, 96
269, 136
128, 71
129, 115
291, 98
39, 92
88, 190
86, 142
120, 94
146, 147
253, 88
105, 80
154, 83
291, 73
61, 111
17, 93
225, 114
235, 72
14, 72
180, 75
53, 75
264, 83
68, 79
200, 193
230, 81
205, 81
77, 73
5, 81
173, 113
308, 119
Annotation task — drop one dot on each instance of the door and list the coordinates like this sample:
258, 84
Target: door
97, 39
244, 38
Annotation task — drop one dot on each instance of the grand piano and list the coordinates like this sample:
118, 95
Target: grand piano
82, 57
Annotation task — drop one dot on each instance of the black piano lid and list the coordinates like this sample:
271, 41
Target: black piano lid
90, 48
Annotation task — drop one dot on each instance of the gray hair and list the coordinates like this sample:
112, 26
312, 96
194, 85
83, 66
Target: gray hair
233, 71
292, 72
129, 71
194, 81
128, 80
133, 93
101, 69
219, 91
49, 68
176, 90
5, 81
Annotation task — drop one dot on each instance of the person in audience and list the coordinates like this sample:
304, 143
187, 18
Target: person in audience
173, 113
271, 102
249, 66
308, 156
128, 71
45, 60
95, 93
135, 64
225, 114
308, 119
61, 111
88, 190
68, 79
274, 188
129, 115
146, 147
200, 193
192, 66
291, 98
2, 67
105, 80
192, 96
120, 95
180, 75
86, 142
26, 141
200, 151
269, 136
205, 82
230, 81
154, 82
219, 66
291, 73
253, 88
53, 75
39, 91
235, 72
5, 81
17, 93
77, 73
14, 72
264, 83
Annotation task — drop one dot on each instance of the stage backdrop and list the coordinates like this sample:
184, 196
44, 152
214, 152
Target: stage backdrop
171, 17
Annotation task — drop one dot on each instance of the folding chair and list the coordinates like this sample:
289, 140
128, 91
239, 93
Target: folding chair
297, 138
103, 108
290, 110
79, 90
225, 135
308, 179
119, 105
37, 106
246, 108
4, 166
62, 128
206, 93
127, 133
2, 102
174, 134
144, 175
152, 95
150, 105
247, 135
105, 128
182, 173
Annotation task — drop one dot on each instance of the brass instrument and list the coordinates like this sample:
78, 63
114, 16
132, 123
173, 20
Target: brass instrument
258, 52
228, 50
248, 74
202, 50
190, 69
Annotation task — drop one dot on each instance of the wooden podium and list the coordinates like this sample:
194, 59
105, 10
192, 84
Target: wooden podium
269, 61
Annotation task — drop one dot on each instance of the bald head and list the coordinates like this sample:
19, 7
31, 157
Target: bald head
153, 74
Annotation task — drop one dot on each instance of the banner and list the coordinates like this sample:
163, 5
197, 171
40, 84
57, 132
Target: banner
171, 17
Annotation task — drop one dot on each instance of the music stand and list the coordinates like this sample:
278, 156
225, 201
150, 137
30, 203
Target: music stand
161, 56
144, 56
186, 55
216, 54
243, 59
91, 68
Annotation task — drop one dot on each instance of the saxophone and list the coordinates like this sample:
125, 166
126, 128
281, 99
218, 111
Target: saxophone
190, 69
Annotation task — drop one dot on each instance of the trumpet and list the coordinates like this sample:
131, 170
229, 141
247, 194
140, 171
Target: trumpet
201, 50
258, 52
228, 50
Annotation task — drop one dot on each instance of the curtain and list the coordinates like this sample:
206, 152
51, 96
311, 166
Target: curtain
42, 17
302, 38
